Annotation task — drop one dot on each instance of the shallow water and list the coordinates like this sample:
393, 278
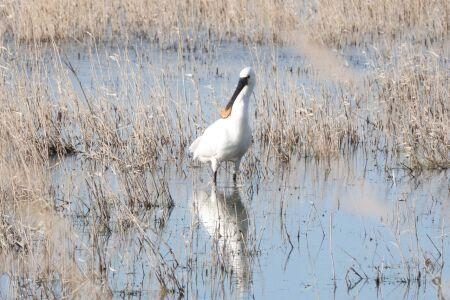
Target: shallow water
308, 230
347, 227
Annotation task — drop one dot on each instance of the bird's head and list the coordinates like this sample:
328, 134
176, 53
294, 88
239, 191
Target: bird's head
247, 79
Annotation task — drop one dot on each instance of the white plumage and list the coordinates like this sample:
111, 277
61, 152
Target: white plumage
228, 138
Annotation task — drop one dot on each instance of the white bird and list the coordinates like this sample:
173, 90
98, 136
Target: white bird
228, 138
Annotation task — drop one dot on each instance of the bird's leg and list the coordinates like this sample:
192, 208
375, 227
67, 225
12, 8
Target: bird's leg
236, 170
214, 167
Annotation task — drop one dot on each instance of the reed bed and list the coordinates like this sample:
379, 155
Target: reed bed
190, 24
414, 108
361, 23
326, 119
171, 24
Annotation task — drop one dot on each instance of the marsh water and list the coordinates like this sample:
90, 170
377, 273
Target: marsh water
343, 227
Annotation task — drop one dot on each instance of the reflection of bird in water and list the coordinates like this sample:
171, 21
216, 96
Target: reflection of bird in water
225, 218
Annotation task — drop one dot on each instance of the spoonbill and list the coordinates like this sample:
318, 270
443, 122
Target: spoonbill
228, 138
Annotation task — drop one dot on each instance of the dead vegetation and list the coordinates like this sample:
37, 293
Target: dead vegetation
414, 109
172, 24
191, 24
358, 23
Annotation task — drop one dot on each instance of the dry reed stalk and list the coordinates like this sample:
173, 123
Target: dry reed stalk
413, 98
342, 23
170, 23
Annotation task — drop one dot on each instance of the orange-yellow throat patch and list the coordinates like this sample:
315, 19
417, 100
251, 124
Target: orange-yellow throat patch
225, 113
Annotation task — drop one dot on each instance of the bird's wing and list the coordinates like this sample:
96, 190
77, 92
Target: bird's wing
205, 146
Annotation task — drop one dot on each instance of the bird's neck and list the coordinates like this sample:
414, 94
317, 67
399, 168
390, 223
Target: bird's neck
241, 106
240, 109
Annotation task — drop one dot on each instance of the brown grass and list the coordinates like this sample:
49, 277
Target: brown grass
414, 109
343, 23
169, 23
195, 24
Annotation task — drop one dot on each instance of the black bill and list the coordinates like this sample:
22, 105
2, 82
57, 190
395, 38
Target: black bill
241, 84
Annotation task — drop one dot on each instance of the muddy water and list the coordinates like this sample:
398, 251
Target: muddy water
342, 228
